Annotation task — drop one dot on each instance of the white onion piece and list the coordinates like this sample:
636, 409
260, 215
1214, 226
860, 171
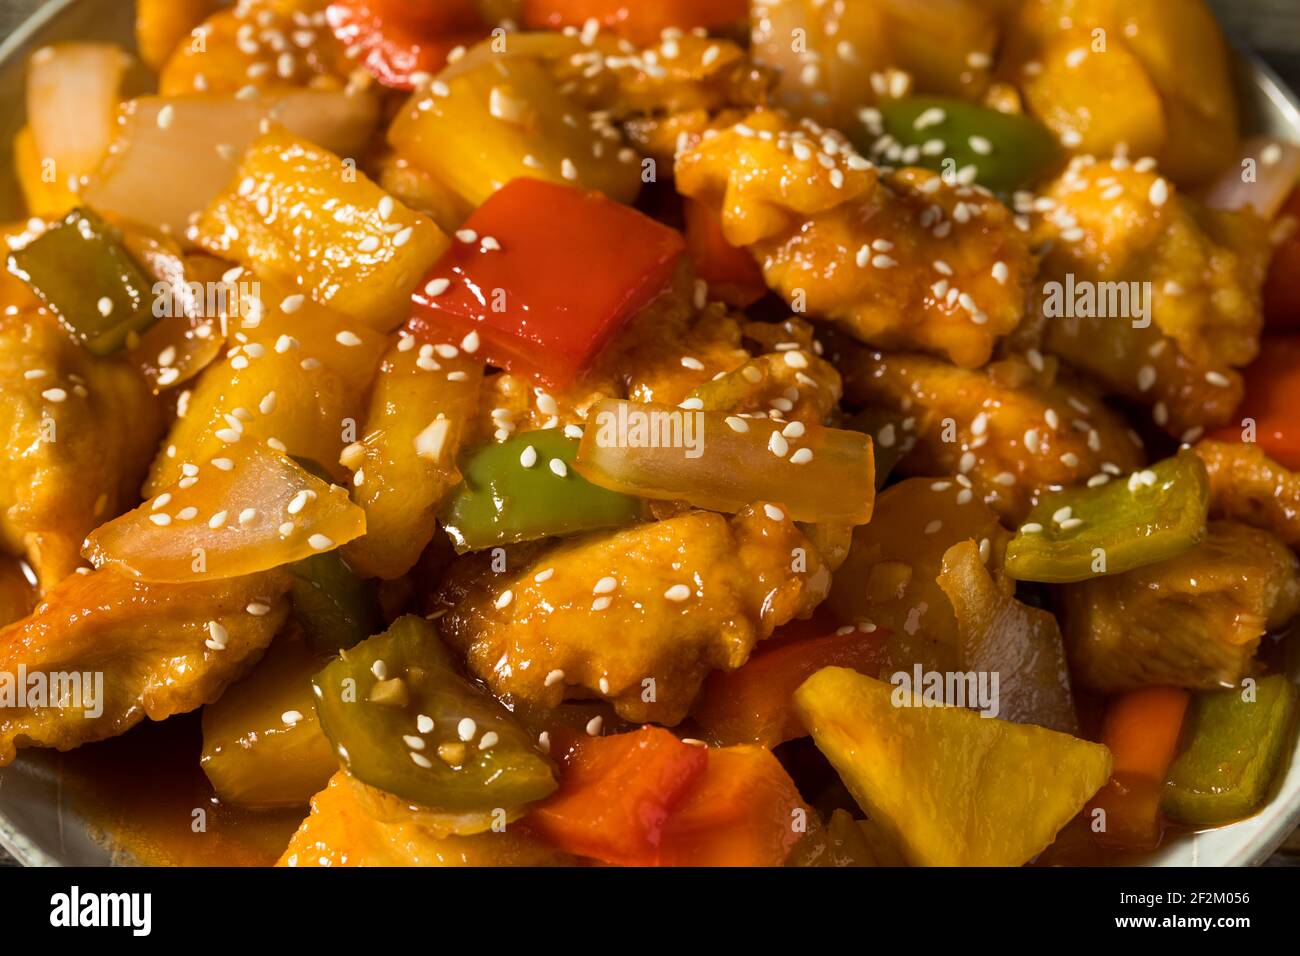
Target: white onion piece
1274, 171
175, 153
72, 95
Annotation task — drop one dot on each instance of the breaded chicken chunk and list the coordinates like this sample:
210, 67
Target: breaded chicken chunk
638, 617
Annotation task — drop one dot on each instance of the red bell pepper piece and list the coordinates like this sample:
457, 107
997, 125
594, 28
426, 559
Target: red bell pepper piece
1282, 287
1141, 729
753, 704
617, 792
641, 21
732, 274
1272, 397
740, 813
402, 37
572, 266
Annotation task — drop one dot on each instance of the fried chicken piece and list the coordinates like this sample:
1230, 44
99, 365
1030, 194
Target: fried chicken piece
340, 832
904, 262
1121, 222
1248, 486
160, 649
80, 431
638, 617
1014, 432
1192, 621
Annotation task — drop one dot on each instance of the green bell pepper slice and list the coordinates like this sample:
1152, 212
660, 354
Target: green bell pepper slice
404, 720
1009, 152
335, 608
1082, 533
1233, 752
510, 494
84, 275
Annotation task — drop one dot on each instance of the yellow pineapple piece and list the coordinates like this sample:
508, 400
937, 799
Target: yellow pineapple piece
302, 216
950, 787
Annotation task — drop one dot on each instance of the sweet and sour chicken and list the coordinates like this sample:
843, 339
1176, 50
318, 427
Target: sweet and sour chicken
709, 433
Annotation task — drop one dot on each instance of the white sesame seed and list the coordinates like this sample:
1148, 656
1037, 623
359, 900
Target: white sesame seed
678, 593
558, 468
504, 599
320, 542
773, 512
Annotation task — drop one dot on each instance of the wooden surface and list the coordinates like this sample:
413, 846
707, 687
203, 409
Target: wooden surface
1269, 27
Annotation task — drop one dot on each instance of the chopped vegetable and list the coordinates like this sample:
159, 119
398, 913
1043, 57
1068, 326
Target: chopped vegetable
508, 118
404, 721
878, 421
296, 213
953, 788
333, 606
200, 138
1267, 413
732, 274
545, 274
1081, 533
252, 511
636, 20
744, 811
397, 39
1019, 643
1262, 179
725, 462
262, 744
1008, 152
617, 793
1235, 746
72, 96
514, 491
80, 270
419, 408
1141, 731
755, 704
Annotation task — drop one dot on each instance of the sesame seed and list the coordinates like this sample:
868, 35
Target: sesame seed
594, 726
467, 729
320, 542
801, 456
737, 424
558, 468
773, 512
504, 600
678, 593
777, 445
528, 457
436, 287
554, 677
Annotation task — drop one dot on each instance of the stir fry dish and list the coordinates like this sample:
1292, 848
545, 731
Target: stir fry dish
691, 433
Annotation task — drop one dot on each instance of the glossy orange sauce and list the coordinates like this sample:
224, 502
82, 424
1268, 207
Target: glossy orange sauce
139, 793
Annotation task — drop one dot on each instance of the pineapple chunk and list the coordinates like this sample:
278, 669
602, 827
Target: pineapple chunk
419, 409
299, 214
504, 119
950, 787
296, 376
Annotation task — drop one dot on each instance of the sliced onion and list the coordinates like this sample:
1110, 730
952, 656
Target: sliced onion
1275, 168
727, 462
72, 96
229, 517
175, 153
